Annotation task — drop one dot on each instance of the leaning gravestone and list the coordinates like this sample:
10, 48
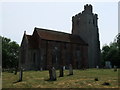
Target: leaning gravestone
53, 74
50, 72
41, 69
21, 74
70, 70
108, 64
61, 72
16, 68
63, 67
115, 68
97, 67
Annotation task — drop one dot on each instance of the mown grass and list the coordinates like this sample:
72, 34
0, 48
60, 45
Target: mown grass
80, 79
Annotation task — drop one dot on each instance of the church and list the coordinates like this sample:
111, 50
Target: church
47, 47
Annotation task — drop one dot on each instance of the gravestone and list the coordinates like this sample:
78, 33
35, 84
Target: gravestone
50, 72
115, 68
61, 71
53, 74
108, 64
16, 68
21, 74
63, 67
41, 69
97, 67
70, 70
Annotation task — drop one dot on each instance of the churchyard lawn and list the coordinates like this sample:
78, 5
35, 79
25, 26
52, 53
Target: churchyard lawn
79, 79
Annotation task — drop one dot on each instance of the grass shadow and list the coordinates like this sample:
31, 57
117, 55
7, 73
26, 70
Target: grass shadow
17, 81
49, 80
106, 83
69, 74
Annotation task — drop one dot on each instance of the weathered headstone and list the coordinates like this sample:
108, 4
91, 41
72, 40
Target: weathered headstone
53, 74
21, 74
61, 72
97, 67
115, 68
41, 69
108, 64
16, 68
70, 70
50, 72
63, 67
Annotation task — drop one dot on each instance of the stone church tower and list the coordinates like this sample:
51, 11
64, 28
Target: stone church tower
85, 25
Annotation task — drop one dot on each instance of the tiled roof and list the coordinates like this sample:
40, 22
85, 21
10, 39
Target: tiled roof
53, 36
58, 36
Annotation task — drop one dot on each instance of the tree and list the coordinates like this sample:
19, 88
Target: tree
10, 53
111, 52
118, 41
104, 53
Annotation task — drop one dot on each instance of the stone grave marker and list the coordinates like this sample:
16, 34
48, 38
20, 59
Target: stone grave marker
21, 74
97, 67
115, 68
61, 71
41, 69
70, 70
50, 72
53, 74
108, 64
16, 69
63, 67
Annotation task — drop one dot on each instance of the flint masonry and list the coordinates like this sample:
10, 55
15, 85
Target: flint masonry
46, 47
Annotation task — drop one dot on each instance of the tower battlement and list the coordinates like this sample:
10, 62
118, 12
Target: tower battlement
88, 8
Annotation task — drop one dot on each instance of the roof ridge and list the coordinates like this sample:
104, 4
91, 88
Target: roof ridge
28, 35
49, 30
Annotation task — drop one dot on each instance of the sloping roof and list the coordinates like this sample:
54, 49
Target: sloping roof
53, 36
32, 42
58, 36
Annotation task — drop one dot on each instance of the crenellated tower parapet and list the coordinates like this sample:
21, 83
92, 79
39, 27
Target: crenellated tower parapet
87, 8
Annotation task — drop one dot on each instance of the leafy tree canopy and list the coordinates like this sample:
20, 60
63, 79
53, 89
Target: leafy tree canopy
10, 53
111, 52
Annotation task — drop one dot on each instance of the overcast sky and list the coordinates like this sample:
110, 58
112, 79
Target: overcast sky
119, 17
18, 17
